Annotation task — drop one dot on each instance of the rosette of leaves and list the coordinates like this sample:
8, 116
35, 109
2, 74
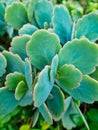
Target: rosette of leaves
18, 85
59, 71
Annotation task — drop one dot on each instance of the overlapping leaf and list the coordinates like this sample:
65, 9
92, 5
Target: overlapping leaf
43, 15
62, 24
3, 65
45, 113
87, 26
27, 29
18, 45
16, 15
43, 87
81, 53
14, 62
56, 103
69, 76
42, 47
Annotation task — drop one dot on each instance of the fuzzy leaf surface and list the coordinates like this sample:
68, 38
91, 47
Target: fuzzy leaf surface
82, 53
62, 24
56, 103
87, 26
43, 15
45, 113
18, 45
13, 79
43, 87
20, 90
16, 15
27, 29
3, 65
14, 62
69, 76
7, 101
42, 47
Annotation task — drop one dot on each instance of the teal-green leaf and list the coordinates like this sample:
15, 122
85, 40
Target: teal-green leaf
16, 15
2, 11
27, 99
42, 47
62, 24
28, 74
14, 62
87, 26
43, 87
27, 29
81, 53
20, 90
87, 91
56, 103
54, 66
7, 101
18, 45
69, 76
30, 9
3, 64
35, 118
70, 113
45, 113
95, 74
13, 79
43, 12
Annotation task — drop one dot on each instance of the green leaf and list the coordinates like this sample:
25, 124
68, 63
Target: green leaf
7, 101
93, 125
43, 87
16, 15
62, 23
87, 91
3, 64
20, 90
54, 66
95, 74
28, 74
70, 114
35, 118
27, 99
13, 79
92, 115
43, 15
14, 62
31, 7
25, 127
87, 26
69, 76
81, 53
47, 46
2, 11
56, 103
45, 113
18, 45
27, 29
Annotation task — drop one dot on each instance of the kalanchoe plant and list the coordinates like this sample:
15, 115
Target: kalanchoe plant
51, 65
